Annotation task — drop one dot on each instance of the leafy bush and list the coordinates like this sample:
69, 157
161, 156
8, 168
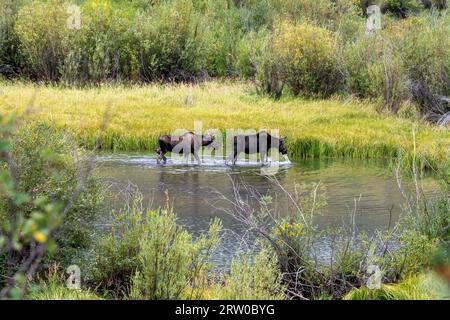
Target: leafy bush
256, 14
148, 256
169, 41
268, 70
259, 279
49, 165
324, 13
360, 55
41, 28
413, 256
375, 70
401, 8
307, 57
219, 42
44, 209
425, 53
104, 48
10, 59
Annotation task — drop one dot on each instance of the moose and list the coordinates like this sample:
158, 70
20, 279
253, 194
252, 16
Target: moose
260, 142
188, 143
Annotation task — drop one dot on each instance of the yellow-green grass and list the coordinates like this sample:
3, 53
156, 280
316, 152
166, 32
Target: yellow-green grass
427, 286
57, 290
138, 115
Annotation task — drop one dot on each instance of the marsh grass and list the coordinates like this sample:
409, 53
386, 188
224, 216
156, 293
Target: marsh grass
140, 114
52, 286
420, 287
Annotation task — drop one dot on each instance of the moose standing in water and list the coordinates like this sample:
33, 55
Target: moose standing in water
188, 143
260, 143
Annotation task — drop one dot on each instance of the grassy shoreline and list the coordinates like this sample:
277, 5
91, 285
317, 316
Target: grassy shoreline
138, 115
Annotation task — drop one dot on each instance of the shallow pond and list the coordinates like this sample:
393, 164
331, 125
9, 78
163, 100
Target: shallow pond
356, 190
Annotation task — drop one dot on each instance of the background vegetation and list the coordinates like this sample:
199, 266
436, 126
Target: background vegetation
308, 47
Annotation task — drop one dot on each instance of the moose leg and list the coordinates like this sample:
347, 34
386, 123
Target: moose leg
158, 158
232, 158
235, 156
263, 158
197, 158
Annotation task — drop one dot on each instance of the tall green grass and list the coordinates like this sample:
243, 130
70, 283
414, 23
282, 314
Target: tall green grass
421, 287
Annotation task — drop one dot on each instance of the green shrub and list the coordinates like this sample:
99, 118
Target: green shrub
319, 12
41, 28
268, 71
10, 59
220, 41
116, 253
250, 53
49, 164
255, 57
413, 255
144, 40
323, 13
375, 70
259, 279
104, 48
401, 8
360, 55
307, 57
425, 53
167, 37
256, 14
148, 256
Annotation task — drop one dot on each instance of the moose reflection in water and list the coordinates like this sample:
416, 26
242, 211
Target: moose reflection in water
191, 143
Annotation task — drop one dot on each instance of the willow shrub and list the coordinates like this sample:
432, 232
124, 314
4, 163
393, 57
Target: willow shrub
255, 58
147, 255
40, 27
374, 70
104, 48
401, 8
163, 34
308, 61
425, 53
220, 41
10, 59
48, 165
256, 279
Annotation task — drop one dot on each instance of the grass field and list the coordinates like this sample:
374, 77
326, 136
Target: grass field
138, 115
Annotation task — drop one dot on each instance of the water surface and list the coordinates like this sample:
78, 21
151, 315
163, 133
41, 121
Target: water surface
356, 190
